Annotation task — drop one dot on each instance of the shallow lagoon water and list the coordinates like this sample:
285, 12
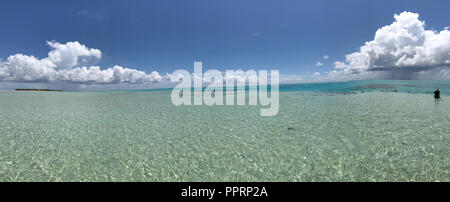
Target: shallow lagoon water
141, 136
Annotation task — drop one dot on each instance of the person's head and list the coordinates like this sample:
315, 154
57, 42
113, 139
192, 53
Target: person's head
437, 89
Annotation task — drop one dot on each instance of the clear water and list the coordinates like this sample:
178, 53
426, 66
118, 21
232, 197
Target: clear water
320, 134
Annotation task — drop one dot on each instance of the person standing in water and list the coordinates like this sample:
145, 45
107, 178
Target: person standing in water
437, 94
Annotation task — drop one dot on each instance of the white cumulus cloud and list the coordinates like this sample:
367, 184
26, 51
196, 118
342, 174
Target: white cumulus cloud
71, 54
401, 50
67, 62
318, 64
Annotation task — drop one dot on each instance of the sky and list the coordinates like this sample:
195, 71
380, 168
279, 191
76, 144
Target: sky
145, 41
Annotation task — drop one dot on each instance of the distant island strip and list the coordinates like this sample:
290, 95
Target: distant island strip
26, 89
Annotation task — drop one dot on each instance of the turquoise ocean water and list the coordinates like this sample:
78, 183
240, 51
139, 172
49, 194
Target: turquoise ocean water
349, 131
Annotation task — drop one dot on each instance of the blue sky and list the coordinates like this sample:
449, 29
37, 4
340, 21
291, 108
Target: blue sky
166, 35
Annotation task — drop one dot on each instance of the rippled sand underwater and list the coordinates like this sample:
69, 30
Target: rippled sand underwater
141, 136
